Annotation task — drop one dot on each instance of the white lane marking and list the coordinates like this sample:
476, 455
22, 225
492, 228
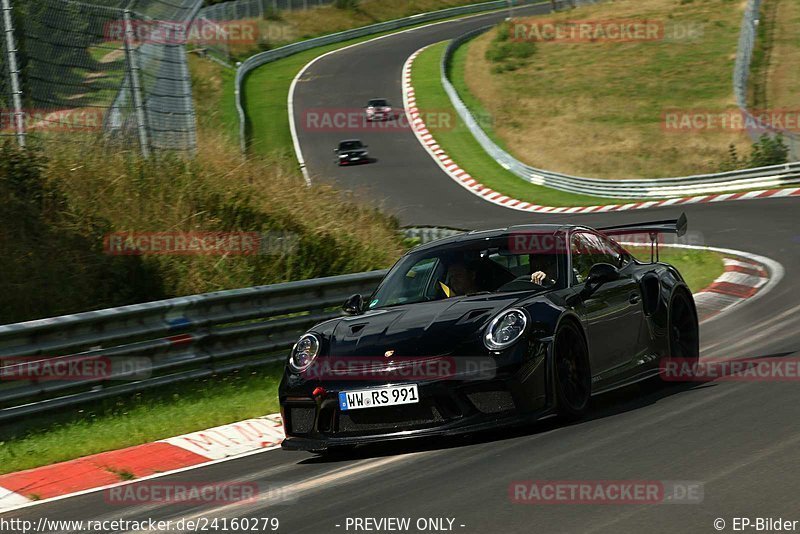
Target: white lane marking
10, 499
761, 330
231, 440
737, 263
743, 279
335, 477
785, 192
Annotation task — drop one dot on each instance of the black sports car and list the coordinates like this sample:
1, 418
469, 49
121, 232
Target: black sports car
351, 151
486, 329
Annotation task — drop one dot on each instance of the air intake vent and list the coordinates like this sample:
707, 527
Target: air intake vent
357, 328
474, 314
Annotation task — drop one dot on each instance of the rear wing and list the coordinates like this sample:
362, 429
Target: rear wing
653, 229
673, 226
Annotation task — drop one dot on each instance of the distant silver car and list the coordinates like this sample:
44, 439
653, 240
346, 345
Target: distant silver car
379, 109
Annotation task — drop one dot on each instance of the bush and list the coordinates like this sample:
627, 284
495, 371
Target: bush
767, 151
508, 55
52, 261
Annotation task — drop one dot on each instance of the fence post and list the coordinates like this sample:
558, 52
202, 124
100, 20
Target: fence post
136, 88
191, 122
13, 72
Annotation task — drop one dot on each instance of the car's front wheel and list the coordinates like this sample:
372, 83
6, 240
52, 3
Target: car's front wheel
573, 377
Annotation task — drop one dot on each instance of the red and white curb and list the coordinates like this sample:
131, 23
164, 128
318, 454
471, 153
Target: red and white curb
467, 181
746, 277
142, 462
742, 280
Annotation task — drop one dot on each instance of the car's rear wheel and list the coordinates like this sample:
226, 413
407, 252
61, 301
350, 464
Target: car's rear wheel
684, 335
573, 377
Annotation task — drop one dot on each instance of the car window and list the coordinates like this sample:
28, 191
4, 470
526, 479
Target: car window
349, 145
619, 254
381, 103
588, 249
476, 267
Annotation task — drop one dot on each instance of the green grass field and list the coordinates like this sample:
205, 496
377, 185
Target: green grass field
698, 267
141, 418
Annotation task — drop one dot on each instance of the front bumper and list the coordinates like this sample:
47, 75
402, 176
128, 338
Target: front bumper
379, 116
519, 392
354, 160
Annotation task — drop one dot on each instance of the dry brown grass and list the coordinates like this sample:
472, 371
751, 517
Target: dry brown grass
54, 222
303, 24
595, 109
328, 19
783, 76
220, 192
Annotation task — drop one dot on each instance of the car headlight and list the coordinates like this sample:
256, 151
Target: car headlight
505, 329
304, 352
342, 155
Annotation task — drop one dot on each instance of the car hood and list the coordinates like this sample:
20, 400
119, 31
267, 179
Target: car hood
423, 329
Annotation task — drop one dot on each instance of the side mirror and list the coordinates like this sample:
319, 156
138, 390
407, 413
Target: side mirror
353, 305
335, 150
601, 273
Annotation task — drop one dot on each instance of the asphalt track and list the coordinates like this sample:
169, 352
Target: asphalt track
741, 440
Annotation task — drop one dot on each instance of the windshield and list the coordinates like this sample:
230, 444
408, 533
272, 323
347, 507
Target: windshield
350, 145
477, 267
380, 102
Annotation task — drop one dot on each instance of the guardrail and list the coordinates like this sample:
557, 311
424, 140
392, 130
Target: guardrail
149, 345
262, 58
762, 177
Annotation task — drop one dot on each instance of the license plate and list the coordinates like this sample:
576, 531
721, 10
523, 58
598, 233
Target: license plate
377, 397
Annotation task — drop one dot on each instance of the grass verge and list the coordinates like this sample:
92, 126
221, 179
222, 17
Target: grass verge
698, 267
141, 418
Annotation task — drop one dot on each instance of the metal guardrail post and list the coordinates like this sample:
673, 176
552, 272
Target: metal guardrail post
13, 72
177, 339
136, 88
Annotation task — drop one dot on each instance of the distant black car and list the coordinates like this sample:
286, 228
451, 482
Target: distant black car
351, 151
379, 109
458, 338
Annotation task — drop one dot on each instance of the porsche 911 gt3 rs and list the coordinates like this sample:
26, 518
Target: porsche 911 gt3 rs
486, 329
